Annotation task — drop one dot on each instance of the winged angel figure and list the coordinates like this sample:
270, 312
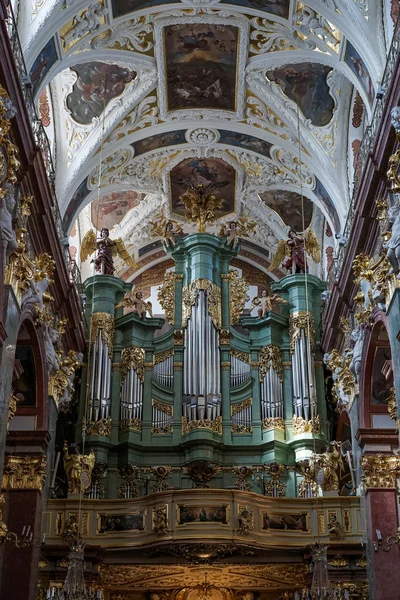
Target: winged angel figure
243, 227
107, 249
294, 250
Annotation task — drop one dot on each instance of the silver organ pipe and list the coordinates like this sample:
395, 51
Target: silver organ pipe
162, 417
242, 417
271, 395
163, 372
132, 396
240, 371
303, 374
100, 380
202, 380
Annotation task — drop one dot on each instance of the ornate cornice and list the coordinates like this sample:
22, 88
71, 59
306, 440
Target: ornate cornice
24, 472
380, 471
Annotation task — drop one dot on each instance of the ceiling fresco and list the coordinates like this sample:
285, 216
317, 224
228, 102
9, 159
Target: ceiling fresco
195, 171
96, 84
291, 208
253, 94
110, 209
306, 84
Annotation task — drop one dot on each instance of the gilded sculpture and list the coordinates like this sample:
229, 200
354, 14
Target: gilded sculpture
201, 204
189, 297
79, 469
135, 304
104, 323
238, 288
330, 465
345, 386
107, 249
266, 303
166, 296
274, 487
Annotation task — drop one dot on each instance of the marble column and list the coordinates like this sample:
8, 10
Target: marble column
381, 513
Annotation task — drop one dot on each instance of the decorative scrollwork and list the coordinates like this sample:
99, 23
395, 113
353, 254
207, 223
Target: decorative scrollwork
189, 296
166, 296
270, 356
238, 297
103, 322
380, 471
24, 472
297, 322
273, 423
301, 425
215, 425
101, 427
133, 356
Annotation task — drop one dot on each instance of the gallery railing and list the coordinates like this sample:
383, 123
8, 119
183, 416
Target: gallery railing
366, 147
39, 134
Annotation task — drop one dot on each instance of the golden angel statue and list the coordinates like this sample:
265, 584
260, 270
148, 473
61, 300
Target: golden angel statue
266, 303
107, 249
294, 250
167, 229
136, 305
79, 469
235, 229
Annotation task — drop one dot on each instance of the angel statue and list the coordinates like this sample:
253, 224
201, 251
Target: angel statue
107, 249
167, 229
295, 248
266, 303
136, 304
235, 229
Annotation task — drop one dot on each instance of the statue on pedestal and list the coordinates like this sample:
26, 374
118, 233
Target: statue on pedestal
79, 469
295, 249
107, 250
167, 229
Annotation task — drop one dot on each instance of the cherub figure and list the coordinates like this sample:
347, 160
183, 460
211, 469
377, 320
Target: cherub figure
136, 305
167, 229
266, 303
243, 227
295, 249
107, 250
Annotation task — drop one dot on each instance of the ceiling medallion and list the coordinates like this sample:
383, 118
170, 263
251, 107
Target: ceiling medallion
202, 136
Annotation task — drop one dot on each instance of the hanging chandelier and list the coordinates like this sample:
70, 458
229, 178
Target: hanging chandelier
74, 587
321, 588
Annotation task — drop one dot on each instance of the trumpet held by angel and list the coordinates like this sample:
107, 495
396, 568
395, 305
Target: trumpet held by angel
106, 250
135, 304
294, 250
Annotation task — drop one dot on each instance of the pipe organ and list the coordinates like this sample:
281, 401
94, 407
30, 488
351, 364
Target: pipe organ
271, 377
302, 335
214, 379
163, 369
240, 368
100, 361
201, 377
132, 375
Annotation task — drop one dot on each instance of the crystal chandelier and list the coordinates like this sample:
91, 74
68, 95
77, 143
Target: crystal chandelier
321, 588
74, 587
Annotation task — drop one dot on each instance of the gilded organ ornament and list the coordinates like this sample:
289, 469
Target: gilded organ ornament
301, 425
133, 356
166, 296
189, 297
270, 356
104, 323
201, 204
238, 297
297, 322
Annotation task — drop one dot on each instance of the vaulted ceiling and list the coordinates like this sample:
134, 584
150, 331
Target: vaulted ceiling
268, 95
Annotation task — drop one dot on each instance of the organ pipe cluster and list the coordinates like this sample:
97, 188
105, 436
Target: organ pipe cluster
201, 377
100, 380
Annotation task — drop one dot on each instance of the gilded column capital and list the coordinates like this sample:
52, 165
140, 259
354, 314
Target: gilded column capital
380, 471
24, 472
